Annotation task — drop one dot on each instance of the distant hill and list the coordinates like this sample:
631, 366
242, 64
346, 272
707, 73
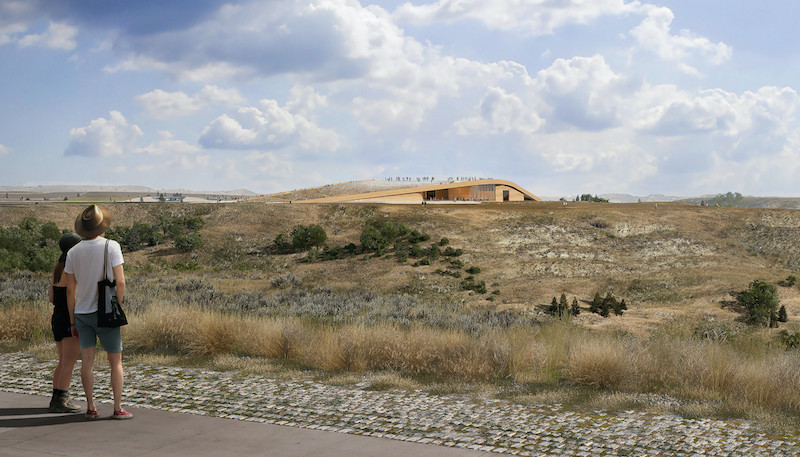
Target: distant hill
625, 198
752, 202
60, 189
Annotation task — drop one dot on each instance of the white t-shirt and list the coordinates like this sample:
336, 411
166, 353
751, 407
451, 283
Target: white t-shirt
85, 261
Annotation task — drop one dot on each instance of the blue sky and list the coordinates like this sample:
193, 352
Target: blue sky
679, 97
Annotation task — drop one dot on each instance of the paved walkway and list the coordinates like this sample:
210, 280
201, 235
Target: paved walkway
28, 429
301, 416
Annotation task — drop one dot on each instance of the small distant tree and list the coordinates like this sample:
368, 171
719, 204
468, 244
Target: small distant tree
575, 310
563, 306
782, 316
760, 302
597, 301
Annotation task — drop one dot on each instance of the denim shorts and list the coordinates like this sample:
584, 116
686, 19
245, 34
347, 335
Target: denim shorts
89, 332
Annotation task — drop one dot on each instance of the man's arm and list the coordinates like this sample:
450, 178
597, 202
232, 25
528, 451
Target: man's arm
119, 276
72, 285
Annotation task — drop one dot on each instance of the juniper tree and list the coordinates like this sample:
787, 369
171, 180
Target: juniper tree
563, 306
575, 308
782, 316
760, 301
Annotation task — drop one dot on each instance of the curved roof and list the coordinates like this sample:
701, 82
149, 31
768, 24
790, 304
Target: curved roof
398, 194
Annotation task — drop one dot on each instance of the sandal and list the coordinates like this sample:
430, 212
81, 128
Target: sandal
91, 414
122, 414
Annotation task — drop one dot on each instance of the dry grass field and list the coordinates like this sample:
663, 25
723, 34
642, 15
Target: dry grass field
675, 265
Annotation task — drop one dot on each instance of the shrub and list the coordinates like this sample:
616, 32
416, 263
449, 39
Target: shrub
284, 280
434, 252
417, 237
186, 266
444, 242
373, 240
307, 237
189, 241
596, 303
788, 282
782, 315
790, 340
456, 264
32, 245
760, 302
281, 244
470, 284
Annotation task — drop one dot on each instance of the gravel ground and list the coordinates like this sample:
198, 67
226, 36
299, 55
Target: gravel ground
485, 424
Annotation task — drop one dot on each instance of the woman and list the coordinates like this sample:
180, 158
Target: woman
84, 268
68, 347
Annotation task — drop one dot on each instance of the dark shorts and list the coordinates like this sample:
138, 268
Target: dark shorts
60, 323
89, 333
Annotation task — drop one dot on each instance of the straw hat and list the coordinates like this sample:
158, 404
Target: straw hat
93, 221
67, 241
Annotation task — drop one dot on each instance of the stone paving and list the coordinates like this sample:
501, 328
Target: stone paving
485, 424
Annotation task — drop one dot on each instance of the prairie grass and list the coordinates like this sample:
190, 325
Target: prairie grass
706, 374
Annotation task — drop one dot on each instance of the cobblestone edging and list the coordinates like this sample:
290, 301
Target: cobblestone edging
492, 425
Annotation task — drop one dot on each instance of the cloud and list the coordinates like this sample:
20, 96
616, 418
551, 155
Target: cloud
103, 137
583, 92
501, 113
170, 105
533, 17
268, 126
654, 35
4, 150
753, 123
58, 36
167, 145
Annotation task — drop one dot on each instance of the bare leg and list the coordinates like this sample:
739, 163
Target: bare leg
59, 369
87, 376
115, 362
67, 356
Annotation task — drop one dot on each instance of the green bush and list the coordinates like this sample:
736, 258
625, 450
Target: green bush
790, 340
373, 240
188, 242
307, 237
32, 245
782, 315
760, 302
788, 282
473, 270
470, 284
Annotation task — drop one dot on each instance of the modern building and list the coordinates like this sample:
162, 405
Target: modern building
482, 190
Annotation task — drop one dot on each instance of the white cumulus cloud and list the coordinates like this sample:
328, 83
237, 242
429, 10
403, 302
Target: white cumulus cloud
103, 137
501, 113
170, 105
4, 150
654, 34
58, 36
268, 126
532, 17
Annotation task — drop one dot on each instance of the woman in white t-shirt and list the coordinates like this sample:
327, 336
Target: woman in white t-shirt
84, 268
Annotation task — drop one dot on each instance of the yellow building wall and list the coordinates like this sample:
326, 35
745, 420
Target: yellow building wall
461, 193
513, 194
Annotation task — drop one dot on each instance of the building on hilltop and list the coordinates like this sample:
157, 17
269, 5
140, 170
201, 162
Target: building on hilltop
483, 190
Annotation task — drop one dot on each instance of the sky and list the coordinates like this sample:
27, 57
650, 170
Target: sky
564, 97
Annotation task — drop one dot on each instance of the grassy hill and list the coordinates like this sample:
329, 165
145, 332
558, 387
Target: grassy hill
238, 299
671, 261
